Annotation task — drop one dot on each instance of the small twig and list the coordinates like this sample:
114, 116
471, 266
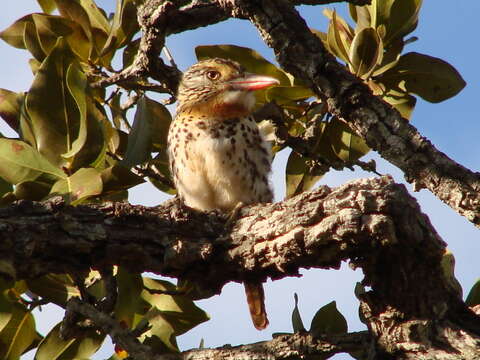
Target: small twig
108, 325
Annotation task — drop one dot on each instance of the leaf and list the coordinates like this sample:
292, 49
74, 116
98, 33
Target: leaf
55, 288
403, 19
178, 311
49, 28
52, 111
250, 59
299, 175
160, 164
328, 320
18, 334
10, 105
6, 305
339, 37
361, 15
20, 162
129, 287
79, 347
93, 22
86, 182
140, 137
160, 123
365, 53
297, 322
448, 267
117, 178
288, 94
431, 78
32, 43
13, 35
124, 25
473, 297
32, 190
47, 5
76, 82
346, 145
380, 12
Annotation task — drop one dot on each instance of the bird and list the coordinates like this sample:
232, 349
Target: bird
218, 157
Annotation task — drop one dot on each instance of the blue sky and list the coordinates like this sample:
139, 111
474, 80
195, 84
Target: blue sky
445, 31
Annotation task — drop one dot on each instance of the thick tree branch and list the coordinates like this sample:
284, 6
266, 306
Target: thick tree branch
374, 223
296, 346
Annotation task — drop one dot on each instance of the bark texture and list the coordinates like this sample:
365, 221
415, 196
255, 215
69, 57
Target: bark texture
412, 308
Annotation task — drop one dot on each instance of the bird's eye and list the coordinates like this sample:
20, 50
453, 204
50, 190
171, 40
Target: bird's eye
213, 75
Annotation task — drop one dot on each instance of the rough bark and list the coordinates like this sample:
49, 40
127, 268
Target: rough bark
413, 309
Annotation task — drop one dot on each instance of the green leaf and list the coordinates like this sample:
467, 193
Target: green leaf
13, 35
448, 267
346, 145
6, 305
77, 85
179, 312
361, 15
140, 137
300, 176
56, 288
18, 334
431, 78
297, 322
250, 59
160, 123
117, 178
47, 5
403, 102
45, 31
339, 35
20, 162
403, 19
129, 287
53, 113
160, 164
283, 95
10, 105
124, 25
93, 22
365, 53
32, 190
79, 347
473, 297
328, 320
32, 43
86, 182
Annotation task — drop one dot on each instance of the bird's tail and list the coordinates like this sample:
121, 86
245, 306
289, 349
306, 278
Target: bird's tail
256, 304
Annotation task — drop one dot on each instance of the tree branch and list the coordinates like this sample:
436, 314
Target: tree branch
301, 346
374, 223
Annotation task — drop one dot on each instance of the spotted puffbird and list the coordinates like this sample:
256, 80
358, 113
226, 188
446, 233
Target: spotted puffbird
218, 157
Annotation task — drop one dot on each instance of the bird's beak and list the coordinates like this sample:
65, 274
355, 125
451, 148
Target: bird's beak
252, 82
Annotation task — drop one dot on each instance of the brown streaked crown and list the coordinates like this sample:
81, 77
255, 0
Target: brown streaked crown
205, 80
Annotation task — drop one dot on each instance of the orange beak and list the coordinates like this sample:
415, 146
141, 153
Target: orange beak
251, 82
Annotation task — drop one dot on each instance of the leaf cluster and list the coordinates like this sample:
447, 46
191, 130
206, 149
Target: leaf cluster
155, 310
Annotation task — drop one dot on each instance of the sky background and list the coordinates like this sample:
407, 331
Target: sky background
447, 31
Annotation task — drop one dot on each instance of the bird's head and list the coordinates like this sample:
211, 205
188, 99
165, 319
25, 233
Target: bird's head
219, 86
